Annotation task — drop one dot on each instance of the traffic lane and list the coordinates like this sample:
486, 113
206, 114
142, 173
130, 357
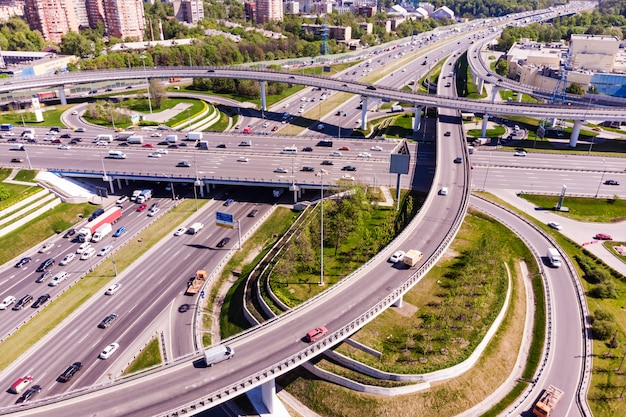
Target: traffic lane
487, 155
564, 365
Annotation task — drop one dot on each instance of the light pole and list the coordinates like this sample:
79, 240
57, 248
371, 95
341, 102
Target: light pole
114, 264
239, 232
143, 59
321, 174
171, 186
602, 178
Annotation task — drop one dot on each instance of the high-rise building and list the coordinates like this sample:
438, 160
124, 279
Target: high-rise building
190, 11
53, 18
269, 11
95, 12
124, 19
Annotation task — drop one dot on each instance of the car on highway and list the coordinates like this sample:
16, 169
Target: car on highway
108, 351
122, 199
448, 133
28, 394
71, 232
555, 225
349, 168
45, 265
458, 160
153, 211
74, 113
281, 170
162, 151
315, 334
242, 159
8, 300
44, 276
23, 262
183, 164
611, 182
348, 177
20, 385
41, 300
307, 149
253, 213
87, 253
57, 279
68, 258
344, 148
142, 207
376, 148
17, 160
327, 162
228, 202
83, 247
64, 147
120, 231
70, 372
105, 250
519, 153
155, 135
221, 146
603, 236
147, 145
223, 242
364, 155
113, 289
180, 231
23, 302
335, 153
397, 256
154, 155
107, 321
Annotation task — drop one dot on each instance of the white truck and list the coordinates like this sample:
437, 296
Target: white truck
135, 139
193, 136
218, 354
123, 135
554, 257
104, 138
195, 228
144, 196
101, 232
171, 138
412, 257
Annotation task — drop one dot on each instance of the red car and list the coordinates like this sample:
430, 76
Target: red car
344, 148
147, 145
603, 236
316, 333
142, 207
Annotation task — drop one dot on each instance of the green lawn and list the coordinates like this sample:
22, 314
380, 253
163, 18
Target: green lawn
599, 210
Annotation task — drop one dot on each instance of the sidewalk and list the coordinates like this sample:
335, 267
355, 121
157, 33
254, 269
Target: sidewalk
580, 232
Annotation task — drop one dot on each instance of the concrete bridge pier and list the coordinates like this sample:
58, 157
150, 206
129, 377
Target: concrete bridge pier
263, 102
483, 133
398, 302
119, 183
480, 83
62, 94
108, 179
573, 139
200, 184
418, 117
519, 97
364, 113
494, 91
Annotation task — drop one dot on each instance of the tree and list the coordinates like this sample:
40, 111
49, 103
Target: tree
73, 43
575, 88
158, 93
502, 67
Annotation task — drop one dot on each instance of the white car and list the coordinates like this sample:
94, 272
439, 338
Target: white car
58, 278
335, 153
281, 170
154, 155
74, 113
46, 247
242, 159
102, 143
88, 253
162, 151
113, 289
64, 147
68, 258
105, 250
109, 350
397, 257
348, 177
266, 124
364, 155
519, 153
153, 211
122, 199
180, 231
376, 148
83, 247
155, 135
7, 302
555, 225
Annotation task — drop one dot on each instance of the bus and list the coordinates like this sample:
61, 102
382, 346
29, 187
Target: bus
6, 127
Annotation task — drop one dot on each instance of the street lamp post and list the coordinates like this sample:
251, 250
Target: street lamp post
602, 178
143, 59
171, 186
321, 228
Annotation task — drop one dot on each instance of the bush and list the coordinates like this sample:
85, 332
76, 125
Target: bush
596, 276
603, 290
602, 329
602, 315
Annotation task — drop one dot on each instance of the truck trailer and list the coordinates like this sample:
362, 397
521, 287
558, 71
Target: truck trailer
548, 400
195, 284
101, 232
195, 228
135, 139
123, 135
194, 136
412, 257
110, 216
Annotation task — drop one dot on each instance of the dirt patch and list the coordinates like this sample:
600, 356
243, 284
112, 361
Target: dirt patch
449, 254
407, 310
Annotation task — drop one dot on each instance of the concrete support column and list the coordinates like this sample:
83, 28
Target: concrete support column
108, 179
364, 114
268, 394
119, 183
479, 84
126, 182
398, 302
483, 133
263, 103
418, 117
494, 91
62, 94
519, 97
573, 139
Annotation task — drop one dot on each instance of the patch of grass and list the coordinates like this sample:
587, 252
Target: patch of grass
221, 124
401, 127
148, 357
51, 115
584, 209
27, 175
494, 132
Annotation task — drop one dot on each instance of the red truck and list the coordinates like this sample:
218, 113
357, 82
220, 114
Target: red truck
110, 216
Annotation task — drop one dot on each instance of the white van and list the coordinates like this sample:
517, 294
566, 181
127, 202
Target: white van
290, 150
218, 354
117, 155
554, 257
104, 138
58, 278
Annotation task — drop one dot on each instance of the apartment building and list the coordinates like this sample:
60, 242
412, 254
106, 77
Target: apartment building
190, 11
124, 19
53, 18
269, 11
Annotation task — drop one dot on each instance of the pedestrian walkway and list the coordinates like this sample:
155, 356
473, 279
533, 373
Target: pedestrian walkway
580, 232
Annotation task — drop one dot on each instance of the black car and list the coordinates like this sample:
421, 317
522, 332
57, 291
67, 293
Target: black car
23, 302
307, 169
65, 136
458, 160
107, 321
45, 265
371, 87
28, 394
221, 146
349, 168
327, 162
307, 149
23, 262
223, 242
70, 372
69, 233
44, 276
41, 300
183, 164
611, 182
253, 213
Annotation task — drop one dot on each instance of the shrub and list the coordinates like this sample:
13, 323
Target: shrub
602, 329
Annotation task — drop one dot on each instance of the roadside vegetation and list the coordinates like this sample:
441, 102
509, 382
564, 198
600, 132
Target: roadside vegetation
149, 356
